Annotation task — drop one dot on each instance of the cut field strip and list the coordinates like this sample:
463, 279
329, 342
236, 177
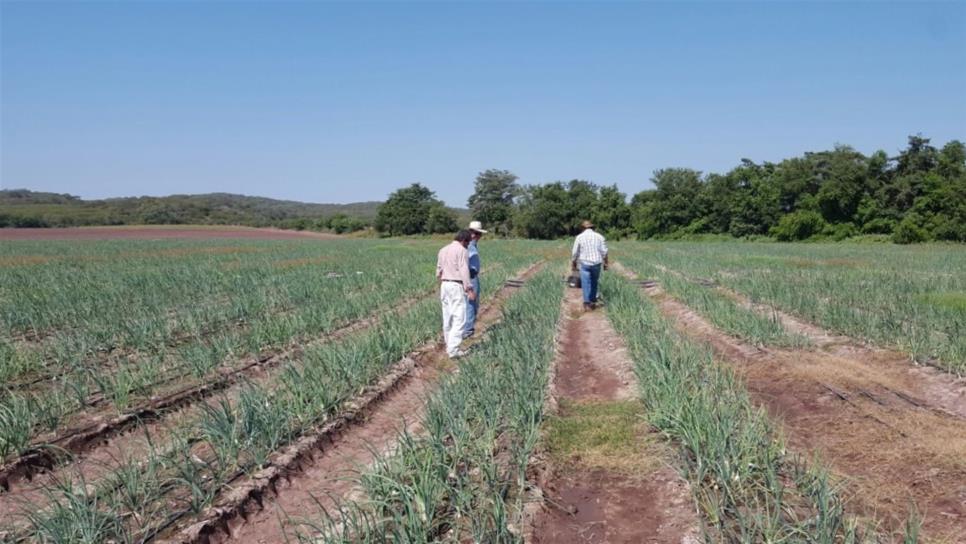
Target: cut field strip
893, 443
314, 473
603, 475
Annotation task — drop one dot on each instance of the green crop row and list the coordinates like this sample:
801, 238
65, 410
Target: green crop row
463, 480
236, 434
907, 298
388, 277
722, 311
748, 487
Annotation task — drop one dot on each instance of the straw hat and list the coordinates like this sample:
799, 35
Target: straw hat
477, 227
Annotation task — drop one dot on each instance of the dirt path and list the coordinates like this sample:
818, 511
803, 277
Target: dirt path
324, 476
893, 438
618, 488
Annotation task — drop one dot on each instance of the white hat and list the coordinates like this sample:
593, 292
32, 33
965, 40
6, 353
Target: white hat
477, 226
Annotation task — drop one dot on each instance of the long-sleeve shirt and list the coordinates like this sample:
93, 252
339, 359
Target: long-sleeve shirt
474, 254
452, 264
589, 248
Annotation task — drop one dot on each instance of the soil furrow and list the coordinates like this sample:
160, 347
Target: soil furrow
855, 413
944, 391
592, 495
316, 471
81, 440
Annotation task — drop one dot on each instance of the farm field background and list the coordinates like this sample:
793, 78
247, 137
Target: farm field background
144, 379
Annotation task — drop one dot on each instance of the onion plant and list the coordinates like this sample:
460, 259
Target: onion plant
748, 487
463, 480
239, 432
908, 298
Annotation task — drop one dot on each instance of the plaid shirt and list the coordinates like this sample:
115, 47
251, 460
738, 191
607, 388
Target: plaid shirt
589, 248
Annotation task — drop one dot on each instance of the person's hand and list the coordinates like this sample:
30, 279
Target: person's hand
605, 266
573, 266
471, 294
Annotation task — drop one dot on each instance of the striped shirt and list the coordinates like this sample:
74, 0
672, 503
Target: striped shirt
589, 248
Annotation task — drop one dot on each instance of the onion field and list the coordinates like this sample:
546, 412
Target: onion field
214, 390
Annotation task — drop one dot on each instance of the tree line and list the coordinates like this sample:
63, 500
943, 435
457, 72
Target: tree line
917, 195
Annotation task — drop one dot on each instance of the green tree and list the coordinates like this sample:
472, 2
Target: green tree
492, 199
798, 226
843, 183
406, 211
611, 212
677, 197
544, 212
581, 203
440, 220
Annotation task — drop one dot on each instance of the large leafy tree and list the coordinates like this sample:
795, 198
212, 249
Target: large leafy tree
492, 200
611, 212
440, 220
408, 211
544, 212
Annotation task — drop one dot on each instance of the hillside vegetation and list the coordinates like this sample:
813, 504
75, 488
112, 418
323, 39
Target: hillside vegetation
24, 208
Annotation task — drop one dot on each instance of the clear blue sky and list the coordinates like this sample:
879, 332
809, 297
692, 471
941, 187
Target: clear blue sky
340, 102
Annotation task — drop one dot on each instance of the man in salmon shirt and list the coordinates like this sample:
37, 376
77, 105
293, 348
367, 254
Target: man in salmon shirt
455, 289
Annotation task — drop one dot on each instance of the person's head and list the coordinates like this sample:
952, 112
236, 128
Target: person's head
476, 229
586, 224
464, 236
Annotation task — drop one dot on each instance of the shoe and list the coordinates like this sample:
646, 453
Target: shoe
468, 334
457, 354
588, 306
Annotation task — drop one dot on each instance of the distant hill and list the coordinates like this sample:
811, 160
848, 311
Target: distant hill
25, 208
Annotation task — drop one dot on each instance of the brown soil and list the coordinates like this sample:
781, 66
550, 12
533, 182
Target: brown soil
894, 435
587, 505
99, 446
600, 506
155, 233
943, 389
322, 476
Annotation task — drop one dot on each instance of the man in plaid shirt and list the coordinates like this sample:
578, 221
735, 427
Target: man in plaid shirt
590, 254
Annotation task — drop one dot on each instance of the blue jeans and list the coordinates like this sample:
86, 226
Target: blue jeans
589, 276
472, 307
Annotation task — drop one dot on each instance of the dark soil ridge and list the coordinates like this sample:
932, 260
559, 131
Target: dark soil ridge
249, 497
81, 439
876, 425
573, 504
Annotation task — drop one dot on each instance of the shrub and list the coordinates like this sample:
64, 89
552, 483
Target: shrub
909, 232
798, 226
840, 231
879, 225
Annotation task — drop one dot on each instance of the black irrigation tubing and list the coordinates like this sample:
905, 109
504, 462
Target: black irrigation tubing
335, 425
40, 457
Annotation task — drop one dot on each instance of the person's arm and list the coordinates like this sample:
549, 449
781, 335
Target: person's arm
575, 254
439, 268
464, 272
603, 251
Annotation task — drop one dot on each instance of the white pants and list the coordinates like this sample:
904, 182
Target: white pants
454, 314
